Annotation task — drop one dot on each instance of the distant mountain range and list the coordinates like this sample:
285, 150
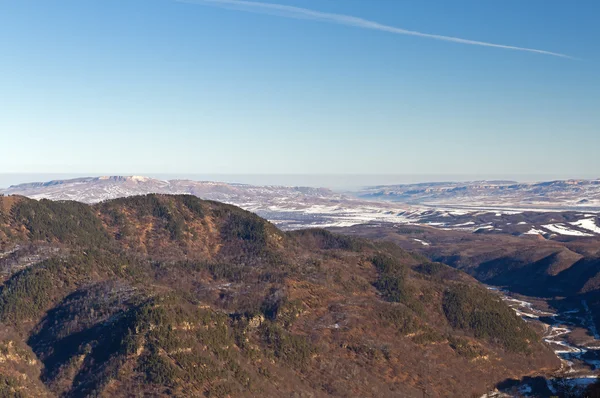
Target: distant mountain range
560, 194
288, 207
482, 206
98, 189
551, 195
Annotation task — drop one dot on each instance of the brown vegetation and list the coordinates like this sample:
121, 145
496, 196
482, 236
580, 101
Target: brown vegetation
171, 295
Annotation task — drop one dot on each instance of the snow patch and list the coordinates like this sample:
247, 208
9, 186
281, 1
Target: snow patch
589, 224
534, 231
421, 242
562, 229
465, 224
140, 179
489, 227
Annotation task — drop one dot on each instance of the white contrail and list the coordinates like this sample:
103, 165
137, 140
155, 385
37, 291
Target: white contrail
303, 13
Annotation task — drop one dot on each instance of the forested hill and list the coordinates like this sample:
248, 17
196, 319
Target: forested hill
171, 295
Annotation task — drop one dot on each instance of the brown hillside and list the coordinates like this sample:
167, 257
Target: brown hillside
170, 295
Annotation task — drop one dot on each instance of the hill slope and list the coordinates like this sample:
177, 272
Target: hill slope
172, 295
555, 284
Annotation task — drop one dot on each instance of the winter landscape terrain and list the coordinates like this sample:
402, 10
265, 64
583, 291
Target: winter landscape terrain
541, 257
551, 195
553, 209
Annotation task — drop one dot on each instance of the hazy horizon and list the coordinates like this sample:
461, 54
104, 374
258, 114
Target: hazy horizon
338, 182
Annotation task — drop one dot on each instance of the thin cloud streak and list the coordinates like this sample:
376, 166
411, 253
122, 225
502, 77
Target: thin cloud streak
340, 19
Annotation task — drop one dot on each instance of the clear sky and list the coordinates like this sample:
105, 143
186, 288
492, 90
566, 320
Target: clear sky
206, 87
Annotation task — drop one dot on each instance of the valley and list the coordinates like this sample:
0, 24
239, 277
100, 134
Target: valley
552, 284
572, 335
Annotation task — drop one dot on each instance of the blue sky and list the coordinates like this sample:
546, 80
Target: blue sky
159, 86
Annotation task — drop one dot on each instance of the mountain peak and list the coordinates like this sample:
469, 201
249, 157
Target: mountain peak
135, 178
